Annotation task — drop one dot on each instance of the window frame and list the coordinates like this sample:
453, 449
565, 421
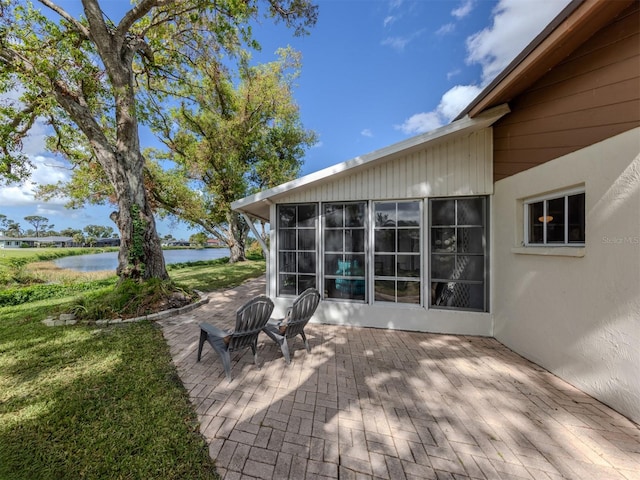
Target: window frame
545, 199
279, 250
486, 209
419, 280
324, 275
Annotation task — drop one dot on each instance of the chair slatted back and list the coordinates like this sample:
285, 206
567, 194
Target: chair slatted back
302, 310
250, 319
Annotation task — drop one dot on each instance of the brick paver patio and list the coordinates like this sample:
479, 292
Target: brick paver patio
378, 404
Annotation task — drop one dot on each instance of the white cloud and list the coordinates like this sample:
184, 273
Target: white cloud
451, 104
446, 29
389, 20
420, 123
515, 24
399, 43
453, 73
366, 133
47, 170
463, 10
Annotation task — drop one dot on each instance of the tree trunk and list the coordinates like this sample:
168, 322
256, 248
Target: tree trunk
140, 255
236, 238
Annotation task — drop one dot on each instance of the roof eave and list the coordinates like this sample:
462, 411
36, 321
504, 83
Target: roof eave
257, 205
570, 28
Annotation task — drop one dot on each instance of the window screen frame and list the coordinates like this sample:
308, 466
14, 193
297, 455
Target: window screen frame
353, 281
307, 229
397, 252
485, 225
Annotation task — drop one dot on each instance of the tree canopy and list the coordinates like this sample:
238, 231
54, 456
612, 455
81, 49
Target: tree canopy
227, 141
92, 79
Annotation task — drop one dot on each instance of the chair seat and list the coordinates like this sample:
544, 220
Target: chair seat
293, 324
250, 320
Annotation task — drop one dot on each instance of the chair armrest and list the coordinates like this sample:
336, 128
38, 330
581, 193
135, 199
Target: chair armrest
275, 322
214, 331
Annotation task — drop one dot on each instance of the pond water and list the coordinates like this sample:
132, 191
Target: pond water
109, 260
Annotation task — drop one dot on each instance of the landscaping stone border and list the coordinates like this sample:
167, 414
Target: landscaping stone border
70, 318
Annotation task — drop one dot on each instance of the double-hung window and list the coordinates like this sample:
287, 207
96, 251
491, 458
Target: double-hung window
555, 220
297, 247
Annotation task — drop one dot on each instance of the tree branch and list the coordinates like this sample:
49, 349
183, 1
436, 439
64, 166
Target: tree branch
136, 13
81, 29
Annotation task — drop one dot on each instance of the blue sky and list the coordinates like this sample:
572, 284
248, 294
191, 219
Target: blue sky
374, 72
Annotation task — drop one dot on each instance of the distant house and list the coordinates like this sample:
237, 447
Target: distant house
53, 241
10, 242
179, 243
214, 242
107, 242
519, 220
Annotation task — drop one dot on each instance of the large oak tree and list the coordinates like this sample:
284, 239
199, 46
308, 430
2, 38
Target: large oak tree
89, 77
227, 139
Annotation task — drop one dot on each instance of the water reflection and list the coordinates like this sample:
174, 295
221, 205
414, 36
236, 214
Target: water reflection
109, 260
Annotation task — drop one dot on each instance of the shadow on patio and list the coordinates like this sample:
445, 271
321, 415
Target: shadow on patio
369, 403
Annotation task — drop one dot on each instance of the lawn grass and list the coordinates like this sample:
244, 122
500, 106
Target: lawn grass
86, 402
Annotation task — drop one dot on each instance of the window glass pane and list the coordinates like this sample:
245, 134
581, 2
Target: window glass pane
306, 239
555, 220
354, 215
385, 291
306, 215
408, 265
385, 240
288, 284
287, 261
331, 264
442, 266
333, 240
306, 262
286, 215
470, 240
409, 240
287, 239
344, 288
408, 292
469, 268
304, 282
385, 265
536, 222
458, 295
576, 218
470, 211
408, 214
355, 265
354, 240
443, 212
443, 239
385, 214
333, 215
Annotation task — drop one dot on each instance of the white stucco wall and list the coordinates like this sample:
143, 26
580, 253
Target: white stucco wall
577, 316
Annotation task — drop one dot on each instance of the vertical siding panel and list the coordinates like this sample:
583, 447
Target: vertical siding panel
473, 158
456, 161
466, 164
481, 162
400, 189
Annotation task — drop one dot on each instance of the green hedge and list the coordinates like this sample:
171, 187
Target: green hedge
34, 293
